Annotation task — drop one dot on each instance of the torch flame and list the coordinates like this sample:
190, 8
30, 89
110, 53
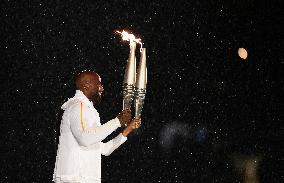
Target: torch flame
129, 37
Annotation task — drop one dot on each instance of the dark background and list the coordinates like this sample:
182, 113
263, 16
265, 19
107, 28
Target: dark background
207, 111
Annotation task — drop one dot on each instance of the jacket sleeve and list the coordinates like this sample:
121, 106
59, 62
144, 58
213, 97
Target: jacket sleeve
110, 146
87, 136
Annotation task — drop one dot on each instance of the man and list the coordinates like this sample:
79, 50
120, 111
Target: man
79, 150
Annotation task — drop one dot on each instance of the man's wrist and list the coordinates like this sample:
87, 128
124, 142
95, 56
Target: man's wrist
126, 131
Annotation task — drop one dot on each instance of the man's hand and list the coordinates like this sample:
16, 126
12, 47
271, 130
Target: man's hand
134, 124
124, 117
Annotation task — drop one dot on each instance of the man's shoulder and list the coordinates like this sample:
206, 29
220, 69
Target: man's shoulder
81, 105
75, 105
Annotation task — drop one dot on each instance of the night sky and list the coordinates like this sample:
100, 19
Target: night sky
209, 115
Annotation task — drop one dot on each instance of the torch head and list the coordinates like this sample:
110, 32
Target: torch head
130, 70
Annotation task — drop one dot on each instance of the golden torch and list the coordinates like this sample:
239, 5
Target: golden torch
134, 84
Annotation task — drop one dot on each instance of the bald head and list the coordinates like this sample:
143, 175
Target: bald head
86, 77
89, 83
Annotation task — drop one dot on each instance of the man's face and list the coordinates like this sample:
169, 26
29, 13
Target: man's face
96, 89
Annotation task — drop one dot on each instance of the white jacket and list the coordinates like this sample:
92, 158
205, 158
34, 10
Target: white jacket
80, 147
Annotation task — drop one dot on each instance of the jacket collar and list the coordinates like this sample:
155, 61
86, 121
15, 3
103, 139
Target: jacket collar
80, 95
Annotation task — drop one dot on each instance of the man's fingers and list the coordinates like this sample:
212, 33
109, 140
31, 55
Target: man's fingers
137, 123
127, 110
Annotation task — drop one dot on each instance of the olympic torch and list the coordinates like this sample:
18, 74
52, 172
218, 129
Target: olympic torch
134, 84
140, 85
129, 78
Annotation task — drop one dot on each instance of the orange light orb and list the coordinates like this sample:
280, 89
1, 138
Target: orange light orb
243, 53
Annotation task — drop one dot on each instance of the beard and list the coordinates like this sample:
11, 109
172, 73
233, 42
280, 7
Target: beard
97, 99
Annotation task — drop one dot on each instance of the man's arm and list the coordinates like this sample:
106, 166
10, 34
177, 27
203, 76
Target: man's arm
110, 146
88, 136
113, 144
